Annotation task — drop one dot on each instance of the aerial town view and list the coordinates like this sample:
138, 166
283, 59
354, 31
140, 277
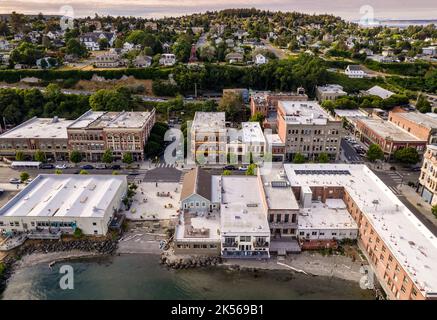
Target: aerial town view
239, 150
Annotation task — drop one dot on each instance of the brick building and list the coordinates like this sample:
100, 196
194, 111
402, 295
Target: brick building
418, 124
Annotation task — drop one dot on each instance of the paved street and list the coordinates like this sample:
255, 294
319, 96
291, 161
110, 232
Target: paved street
349, 153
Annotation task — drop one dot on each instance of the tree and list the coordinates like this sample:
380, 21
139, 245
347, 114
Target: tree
231, 103
26, 53
75, 156
434, 210
182, 48
251, 170
78, 233
74, 47
103, 43
107, 156
323, 157
110, 100
258, 117
83, 172
375, 153
407, 155
19, 156
24, 176
58, 171
39, 156
298, 158
423, 104
227, 172
127, 158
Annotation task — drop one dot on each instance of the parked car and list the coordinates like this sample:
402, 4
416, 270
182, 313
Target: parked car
100, 166
14, 181
61, 166
87, 167
242, 168
230, 167
47, 166
116, 167
133, 173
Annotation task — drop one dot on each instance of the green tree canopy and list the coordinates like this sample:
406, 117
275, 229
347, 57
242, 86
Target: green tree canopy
19, 156
39, 156
24, 176
407, 155
107, 156
127, 158
75, 156
323, 157
298, 158
375, 153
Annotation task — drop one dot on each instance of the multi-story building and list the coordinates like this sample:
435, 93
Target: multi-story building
52, 205
245, 143
244, 231
208, 138
428, 176
355, 71
388, 136
107, 60
401, 251
329, 92
418, 124
308, 129
48, 135
276, 147
266, 103
121, 132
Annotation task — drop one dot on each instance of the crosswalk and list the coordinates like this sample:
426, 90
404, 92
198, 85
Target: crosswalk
396, 177
395, 191
165, 165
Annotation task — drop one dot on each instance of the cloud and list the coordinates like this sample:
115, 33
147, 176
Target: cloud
349, 9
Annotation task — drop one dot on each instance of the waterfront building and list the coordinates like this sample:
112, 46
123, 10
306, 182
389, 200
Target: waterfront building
400, 249
244, 231
388, 136
52, 205
122, 132
48, 135
308, 129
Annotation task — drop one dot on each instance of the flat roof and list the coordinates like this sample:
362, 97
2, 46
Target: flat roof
380, 92
277, 189
209, 120
331, 88
411, 243
350, 113
39, 128
304, 112
252, 132
388, 129
422, 119
65, 195
274, 140
102, 119
241, 210
332, 214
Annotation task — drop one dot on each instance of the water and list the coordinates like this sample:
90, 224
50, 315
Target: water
141, 277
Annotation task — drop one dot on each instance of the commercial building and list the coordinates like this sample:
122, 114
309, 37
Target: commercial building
350, 115
275, 145
245, 143
428, 176
244, 231
121, 132
418, 124
58, 204
308, 129
400, 249
329, 92
388, 136
266, 103
208, 138
48, 135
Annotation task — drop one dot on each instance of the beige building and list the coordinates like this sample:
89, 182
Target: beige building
46, 134
208, 138
329, 92
308, 129
428, 176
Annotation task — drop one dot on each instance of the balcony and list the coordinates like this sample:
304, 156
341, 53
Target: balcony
260, 244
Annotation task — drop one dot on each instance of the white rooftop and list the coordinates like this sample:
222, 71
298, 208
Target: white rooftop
304, 112
380, 92
274, 140
252, 133
422, 119
387, 129
241, 210
66, 195
86, 119
350, 113
39, 128
331, 88
330, 215
102, 119
412, 244
209, 121
277, 189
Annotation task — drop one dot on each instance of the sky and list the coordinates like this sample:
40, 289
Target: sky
347, 9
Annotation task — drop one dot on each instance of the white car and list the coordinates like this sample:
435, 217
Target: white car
61, 166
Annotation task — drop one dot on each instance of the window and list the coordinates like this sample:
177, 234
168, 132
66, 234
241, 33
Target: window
244, 238
271, 217
94, 223
301, 233
314, 233
286, 218
390, 258
278, 218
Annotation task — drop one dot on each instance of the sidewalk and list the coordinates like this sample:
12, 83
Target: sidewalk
416, 200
